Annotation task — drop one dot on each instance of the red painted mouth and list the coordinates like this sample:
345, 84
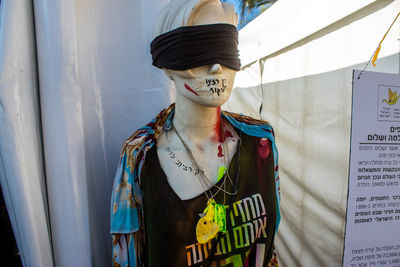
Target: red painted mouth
190, 89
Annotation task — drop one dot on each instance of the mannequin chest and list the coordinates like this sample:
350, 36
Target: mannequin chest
190, 177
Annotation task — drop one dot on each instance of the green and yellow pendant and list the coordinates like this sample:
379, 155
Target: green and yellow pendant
212, 222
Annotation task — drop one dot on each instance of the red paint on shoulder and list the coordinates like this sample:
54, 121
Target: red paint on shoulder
220, 151
264, 148
228, 134
190, 89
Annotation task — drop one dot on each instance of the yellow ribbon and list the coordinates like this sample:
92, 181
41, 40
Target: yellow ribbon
375, 56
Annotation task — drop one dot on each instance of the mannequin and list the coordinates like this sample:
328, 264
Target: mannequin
195, 148
197, 115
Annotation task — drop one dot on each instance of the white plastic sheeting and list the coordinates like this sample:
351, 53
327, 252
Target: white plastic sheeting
21, 161
305, 52
96, 86
290, 21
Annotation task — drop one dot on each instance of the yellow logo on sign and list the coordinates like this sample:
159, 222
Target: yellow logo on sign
393, 97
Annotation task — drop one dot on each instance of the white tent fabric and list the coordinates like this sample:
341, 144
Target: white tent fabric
304, 53
91, 71
96, 86
21, 157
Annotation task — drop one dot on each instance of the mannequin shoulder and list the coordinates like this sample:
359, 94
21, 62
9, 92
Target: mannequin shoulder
147, 135
245, 119
249, 125
135, 141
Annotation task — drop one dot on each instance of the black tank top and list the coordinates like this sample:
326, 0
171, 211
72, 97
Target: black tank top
170, 222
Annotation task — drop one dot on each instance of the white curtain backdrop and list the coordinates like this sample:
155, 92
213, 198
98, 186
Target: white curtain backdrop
91, 69
21, 157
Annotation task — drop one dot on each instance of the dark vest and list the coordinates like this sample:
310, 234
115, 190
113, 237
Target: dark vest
170, 222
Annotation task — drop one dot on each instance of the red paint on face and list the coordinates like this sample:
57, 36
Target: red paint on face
190, 89
264, 148
220, 151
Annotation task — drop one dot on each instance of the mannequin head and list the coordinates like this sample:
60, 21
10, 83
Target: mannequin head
178, 13
208, 85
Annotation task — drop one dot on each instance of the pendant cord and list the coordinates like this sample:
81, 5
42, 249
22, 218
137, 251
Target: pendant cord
230, 201
205, 181
195, 165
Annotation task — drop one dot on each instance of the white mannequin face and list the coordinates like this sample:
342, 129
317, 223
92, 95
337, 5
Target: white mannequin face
207, 85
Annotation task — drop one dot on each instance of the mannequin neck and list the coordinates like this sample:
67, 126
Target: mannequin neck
196, 122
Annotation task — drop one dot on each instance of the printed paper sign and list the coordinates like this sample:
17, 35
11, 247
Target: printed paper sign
372, 235
388, 104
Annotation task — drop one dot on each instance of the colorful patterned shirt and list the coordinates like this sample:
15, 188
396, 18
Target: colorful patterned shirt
128, 222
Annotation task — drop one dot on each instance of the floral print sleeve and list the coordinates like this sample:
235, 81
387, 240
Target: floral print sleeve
124, 219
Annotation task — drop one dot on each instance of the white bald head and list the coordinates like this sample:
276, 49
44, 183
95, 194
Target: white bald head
198, 84
178, 13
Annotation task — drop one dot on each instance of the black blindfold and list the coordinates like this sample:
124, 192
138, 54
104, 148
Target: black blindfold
195, 46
